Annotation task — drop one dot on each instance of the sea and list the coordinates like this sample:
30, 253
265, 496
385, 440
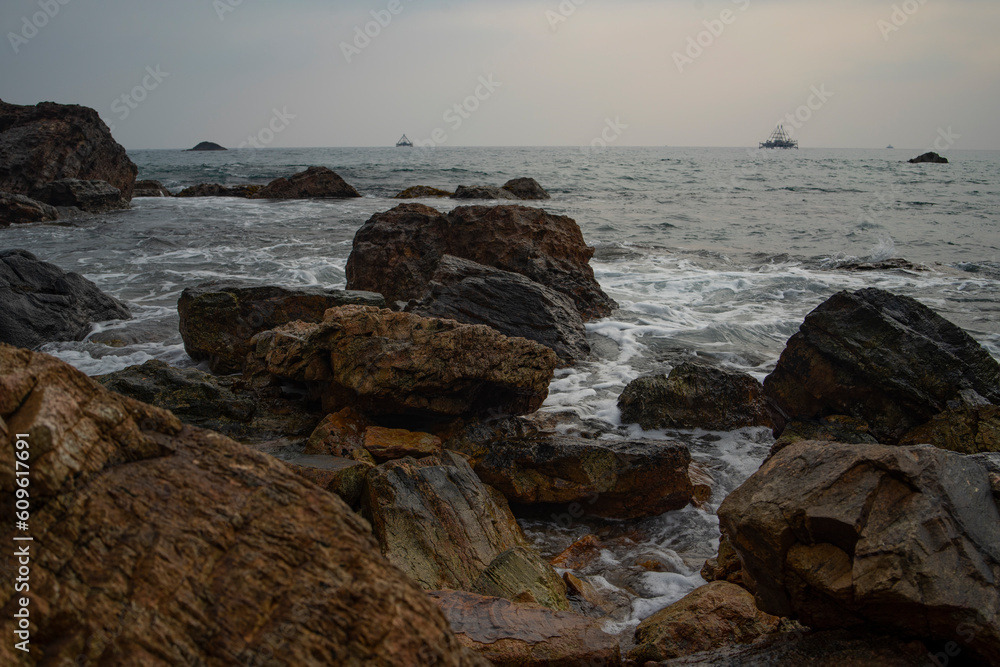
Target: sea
712, 253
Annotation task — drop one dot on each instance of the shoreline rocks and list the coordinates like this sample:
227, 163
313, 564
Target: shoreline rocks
313, 183
422, 192
150, 188
70, 195
17, 209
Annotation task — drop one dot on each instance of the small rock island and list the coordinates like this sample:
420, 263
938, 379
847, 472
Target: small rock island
208, 146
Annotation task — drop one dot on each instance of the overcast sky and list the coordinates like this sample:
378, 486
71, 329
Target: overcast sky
851, 73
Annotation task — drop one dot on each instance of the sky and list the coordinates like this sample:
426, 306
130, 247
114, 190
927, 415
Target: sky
845, 74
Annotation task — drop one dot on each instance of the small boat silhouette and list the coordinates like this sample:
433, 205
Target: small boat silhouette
404, 142
779, 139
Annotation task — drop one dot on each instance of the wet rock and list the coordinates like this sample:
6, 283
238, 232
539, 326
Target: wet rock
437, 522
313, 183
18, 209
885, 359
929, 157
206, 190
150, 188
341, 476
695, 396
341, 434
247, 191
386, 363
40, 303
472, 293
519, 575
159, 535
208, 146
832, 428
473, 438
964, 430
616, 479
511, 634
88, 196
50, 142
727, 566
422, 192
707, 618
902, 540
526, 188
396, 253
218, 319
482, 192
395, 443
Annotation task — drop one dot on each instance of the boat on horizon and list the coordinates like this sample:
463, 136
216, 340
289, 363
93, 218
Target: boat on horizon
404, 143
779, 139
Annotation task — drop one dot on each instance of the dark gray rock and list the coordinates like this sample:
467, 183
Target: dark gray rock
17, 209
41, 303
206, 190
313, 183
208, 146
931, 157
87, 196
482, 192
526, 188
150, 189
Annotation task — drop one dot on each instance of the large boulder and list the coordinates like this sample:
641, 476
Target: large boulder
41, 303
695, 396
89, 196
313, 183
526, 188
396, 253
157, 543
886, 359
437, 522
49, 142
218, 319
387, 363
509, 634
616, 479
707, 618
482, 192
150, 188
964, 430
510, 303
16, 209
904, 540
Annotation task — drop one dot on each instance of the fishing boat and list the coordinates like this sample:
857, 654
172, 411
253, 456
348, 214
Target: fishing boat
891, 147
779, 139
404, 143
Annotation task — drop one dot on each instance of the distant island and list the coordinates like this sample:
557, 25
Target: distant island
208, 146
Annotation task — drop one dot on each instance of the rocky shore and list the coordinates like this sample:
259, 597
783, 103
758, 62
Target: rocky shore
344, 484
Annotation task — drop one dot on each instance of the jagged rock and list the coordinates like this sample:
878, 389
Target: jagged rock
40, 303
340, 434
341, 476
247, 191
695, 396
472, 293
386, 444
18, 209
526, 188
397, 252
89, 196
617, 479
727, 566
964, 430
437, 522
511, 634
150, 188
218, 319
709, 617
422, 192
902, 540
206, 190
832, 428
579, 554
929, 157
386, 363
208, 146
474, 438
165, 544
482, 192
885, 359
313, 183
49, 142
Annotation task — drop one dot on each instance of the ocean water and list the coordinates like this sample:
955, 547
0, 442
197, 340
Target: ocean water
711, 253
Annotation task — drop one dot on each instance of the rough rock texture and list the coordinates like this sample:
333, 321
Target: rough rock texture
421, 192
831, 428
472, 293
206, 190
395, 443
397, 252
695, 396
17, 209
218, 319
482, 192
49, 142
437, 522
520, 575
833, 648
617, 479
341, 476
40, 303
963, 430
897, 539
386, 363
513, 635
727, 566
163, 544
708, 617
340, 434
313, 183
150, 188
89, 196
929, 157
474, 438
208, 146
882, 358
526, 188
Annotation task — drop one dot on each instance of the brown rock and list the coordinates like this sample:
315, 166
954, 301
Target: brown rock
526, 188
18, 209
422, 192
73, 195
519, 575
513, 635
397, 252
157, 543
579, 554
482, 192
345, 477
708, 617
395, 443
313, 183
206, 190
832, 428
963, 430
340, 434
727, 566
